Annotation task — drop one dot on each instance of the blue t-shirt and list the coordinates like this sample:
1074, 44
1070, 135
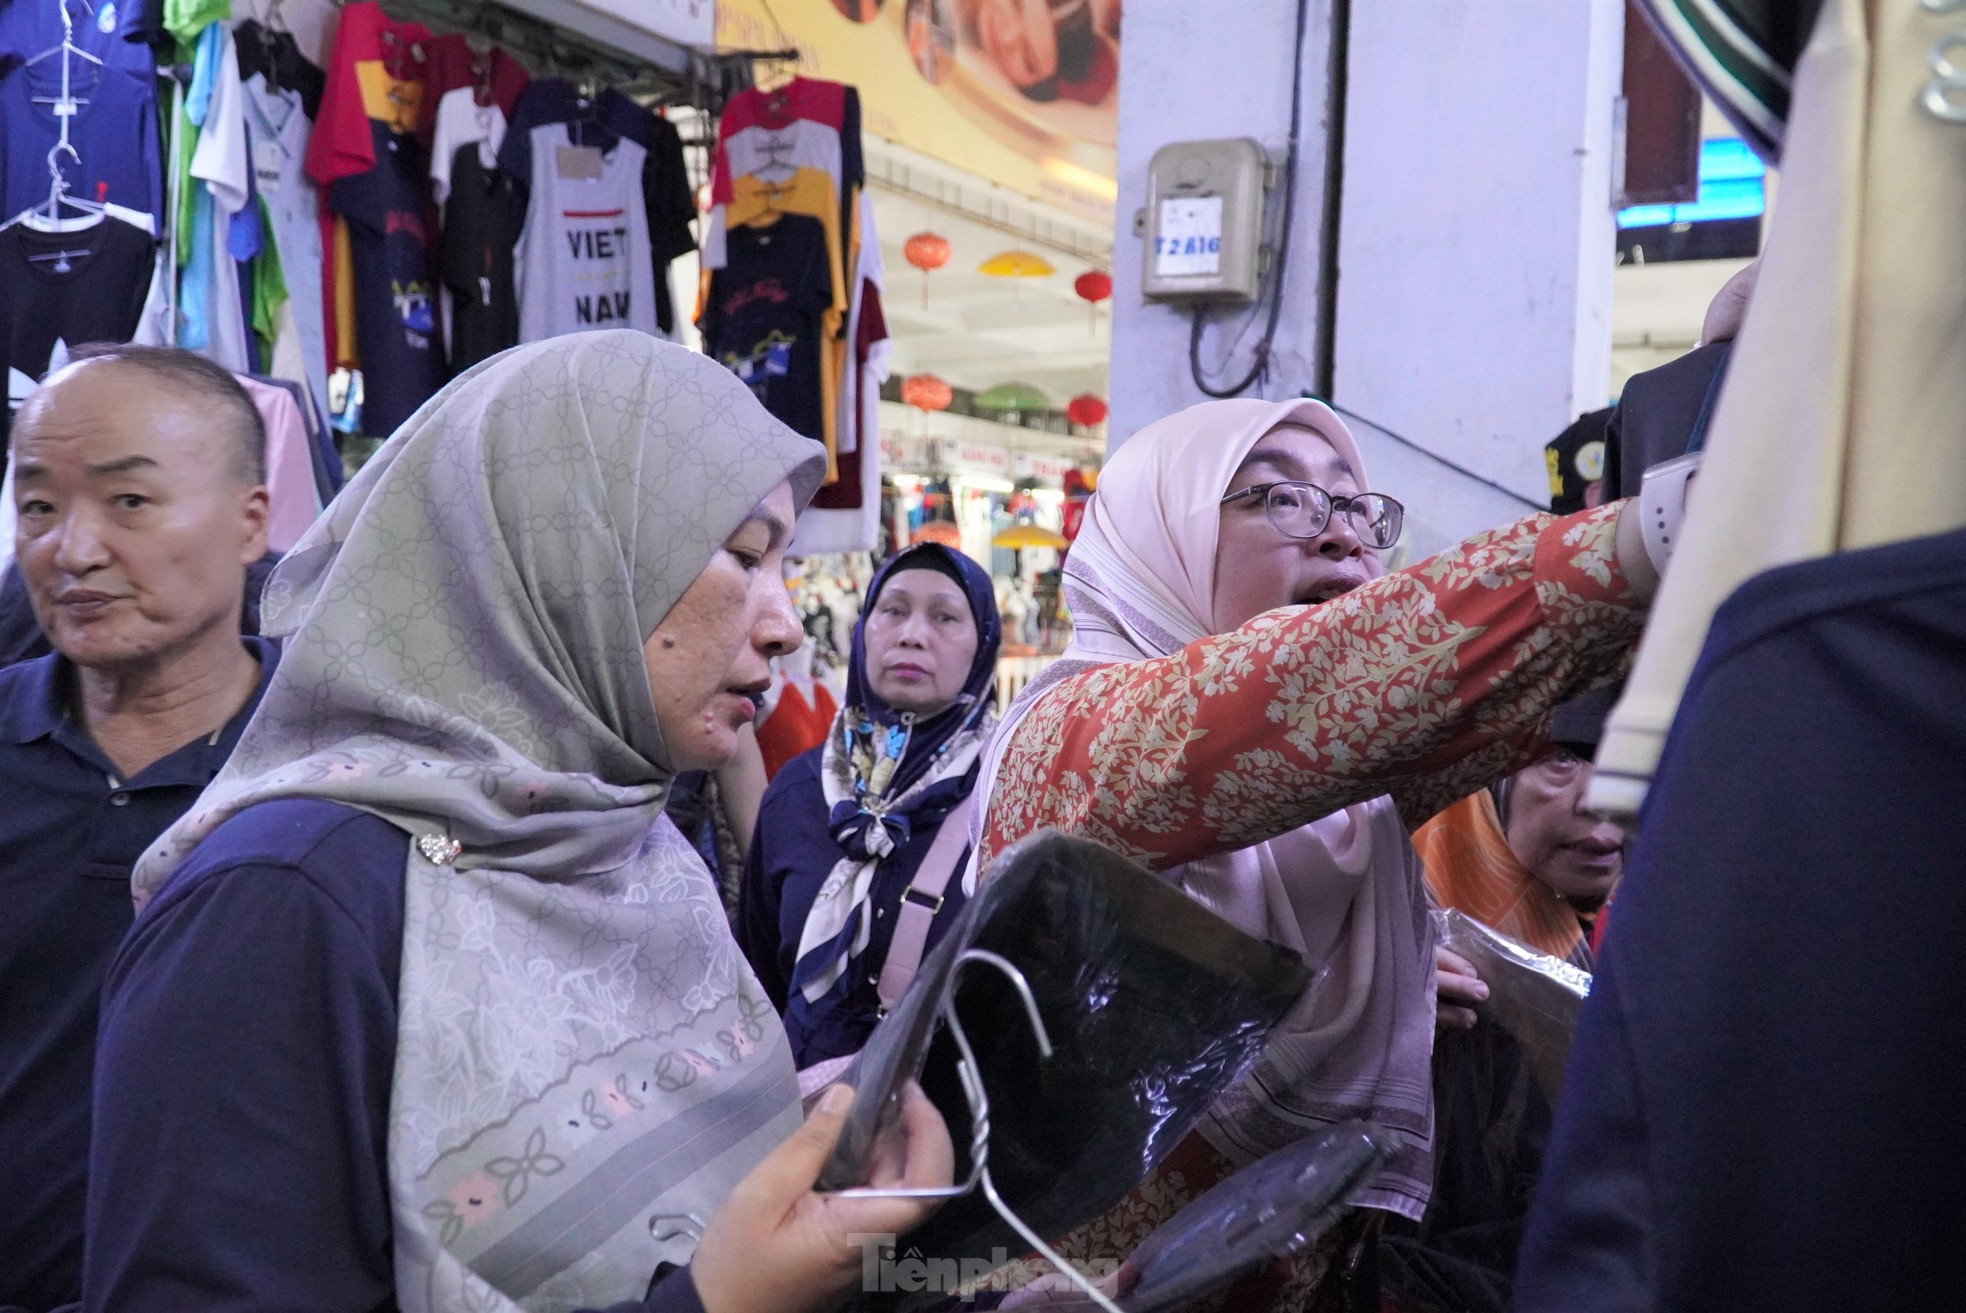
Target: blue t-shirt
115, 32
248, 1050
70, 832
115, 134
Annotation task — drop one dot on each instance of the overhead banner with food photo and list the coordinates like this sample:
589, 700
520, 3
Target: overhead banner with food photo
1023, 93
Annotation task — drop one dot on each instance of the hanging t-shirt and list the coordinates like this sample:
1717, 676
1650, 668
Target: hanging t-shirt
668, 199
61, 289
113, 130
212, 304
276, 58
395, 315
277, 128
584, 259
451, 65
762, 317
480, 232
375, 74
113, 32
481, 227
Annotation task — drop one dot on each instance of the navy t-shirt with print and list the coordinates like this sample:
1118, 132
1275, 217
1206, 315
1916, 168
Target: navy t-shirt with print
395, 299
762, 316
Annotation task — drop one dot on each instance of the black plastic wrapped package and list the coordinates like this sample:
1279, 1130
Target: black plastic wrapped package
1277, 1205
1154, 1005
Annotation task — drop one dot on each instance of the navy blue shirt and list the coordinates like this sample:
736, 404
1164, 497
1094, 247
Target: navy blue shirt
115, 133
70, 832
248, 1049
789, 860
1762, 1110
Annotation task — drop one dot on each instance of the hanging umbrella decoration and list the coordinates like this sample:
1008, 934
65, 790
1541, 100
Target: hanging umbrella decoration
1019, 536
1016, 266
1086, 410
1093, 286
927, 252
1012, 396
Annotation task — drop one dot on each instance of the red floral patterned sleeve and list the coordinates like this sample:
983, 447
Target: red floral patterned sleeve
1425, 685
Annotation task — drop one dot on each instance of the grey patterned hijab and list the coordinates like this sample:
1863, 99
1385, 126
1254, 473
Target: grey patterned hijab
584, 1061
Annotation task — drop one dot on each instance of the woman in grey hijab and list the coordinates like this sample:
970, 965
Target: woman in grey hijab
427, 1006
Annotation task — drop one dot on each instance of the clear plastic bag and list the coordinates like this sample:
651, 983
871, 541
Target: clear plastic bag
1531, 995
1495, 1087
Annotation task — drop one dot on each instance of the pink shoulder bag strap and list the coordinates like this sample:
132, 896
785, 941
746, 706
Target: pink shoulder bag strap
920, 901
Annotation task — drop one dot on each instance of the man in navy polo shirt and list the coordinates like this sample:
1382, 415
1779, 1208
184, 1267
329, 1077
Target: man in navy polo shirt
140, 494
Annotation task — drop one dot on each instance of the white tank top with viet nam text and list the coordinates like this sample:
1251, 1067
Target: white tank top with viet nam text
584, 260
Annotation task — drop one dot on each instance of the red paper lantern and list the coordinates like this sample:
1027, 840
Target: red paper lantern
940, 531
927, 252
926, 392
1093, 286
1086, 410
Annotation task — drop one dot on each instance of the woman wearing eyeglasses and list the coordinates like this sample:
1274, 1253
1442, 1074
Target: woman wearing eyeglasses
1251, 705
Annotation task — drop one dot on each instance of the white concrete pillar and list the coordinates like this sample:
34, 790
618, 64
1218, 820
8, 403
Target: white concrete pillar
1476, 234
1194, 72
1475, 241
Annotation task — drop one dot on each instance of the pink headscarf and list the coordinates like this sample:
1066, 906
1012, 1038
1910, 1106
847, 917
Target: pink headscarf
1345, 891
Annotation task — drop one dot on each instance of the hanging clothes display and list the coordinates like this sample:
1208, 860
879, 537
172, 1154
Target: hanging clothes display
61, 288
668, 204
452, 64
366, 152
113, 132
765, 316
794, 150
378, 299
479, 232
277, 129
113, 31
845, 516
277, 59
584, 256
217, 185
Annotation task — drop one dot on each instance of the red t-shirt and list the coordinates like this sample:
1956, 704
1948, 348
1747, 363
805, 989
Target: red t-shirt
375, 71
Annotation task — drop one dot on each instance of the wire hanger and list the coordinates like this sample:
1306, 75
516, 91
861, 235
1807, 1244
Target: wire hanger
979, 1118
66, 48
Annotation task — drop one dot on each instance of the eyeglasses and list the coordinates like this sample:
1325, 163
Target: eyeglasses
1302, 510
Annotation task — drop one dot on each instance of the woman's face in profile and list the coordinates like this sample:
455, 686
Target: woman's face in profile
709, 659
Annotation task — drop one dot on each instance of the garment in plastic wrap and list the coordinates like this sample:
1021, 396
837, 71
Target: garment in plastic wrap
1494, 1090
1533, 996
1154, 1006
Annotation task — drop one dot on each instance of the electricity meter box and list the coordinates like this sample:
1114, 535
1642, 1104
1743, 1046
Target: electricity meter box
1203, 223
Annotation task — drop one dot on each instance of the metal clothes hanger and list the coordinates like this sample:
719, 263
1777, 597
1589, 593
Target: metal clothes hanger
979, 1112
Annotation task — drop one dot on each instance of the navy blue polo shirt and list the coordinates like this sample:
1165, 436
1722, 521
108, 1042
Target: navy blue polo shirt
70, 832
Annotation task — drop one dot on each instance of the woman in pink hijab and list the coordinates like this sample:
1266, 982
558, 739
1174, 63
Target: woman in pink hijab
1252, 706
